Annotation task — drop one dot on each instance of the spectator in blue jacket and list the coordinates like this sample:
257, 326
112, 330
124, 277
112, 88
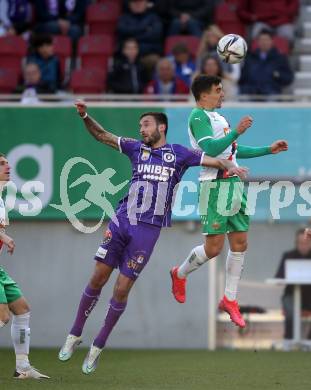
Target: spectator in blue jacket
265, 71
184, 66
60, 17
48, 63
142, 24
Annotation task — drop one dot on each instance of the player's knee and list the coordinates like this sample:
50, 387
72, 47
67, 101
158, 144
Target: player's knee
99, 277
121, 293
212, 251
98, 280
239, 246
20, 307
26, 308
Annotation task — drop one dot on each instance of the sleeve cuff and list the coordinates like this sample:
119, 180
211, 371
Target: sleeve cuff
202, 158
119, 144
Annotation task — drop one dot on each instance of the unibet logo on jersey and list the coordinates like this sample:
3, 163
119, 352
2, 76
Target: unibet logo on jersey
155, 172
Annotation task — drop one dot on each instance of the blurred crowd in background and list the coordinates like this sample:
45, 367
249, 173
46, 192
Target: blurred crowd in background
142, 47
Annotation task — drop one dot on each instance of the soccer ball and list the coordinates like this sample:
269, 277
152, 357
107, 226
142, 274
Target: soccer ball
232, 48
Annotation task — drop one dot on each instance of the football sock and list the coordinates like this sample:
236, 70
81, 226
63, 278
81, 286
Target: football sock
20, 334
196, 258
114, 313
234, 268
88, 301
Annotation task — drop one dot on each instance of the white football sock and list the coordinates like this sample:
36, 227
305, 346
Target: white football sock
234, 268
195, 259
20, 333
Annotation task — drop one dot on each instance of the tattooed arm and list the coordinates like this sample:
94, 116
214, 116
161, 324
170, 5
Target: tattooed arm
95, 129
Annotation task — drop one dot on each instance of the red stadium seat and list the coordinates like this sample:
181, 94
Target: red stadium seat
190, 40
102, 18
12, 50
280, 43
8, 80
88, 80
227, 19
120, 2
94, 50
62, 48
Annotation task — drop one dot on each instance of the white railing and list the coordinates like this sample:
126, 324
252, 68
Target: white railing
62, 98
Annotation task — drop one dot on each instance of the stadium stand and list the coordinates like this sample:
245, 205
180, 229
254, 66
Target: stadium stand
63, 50
88, 80
12, 51
94, 50
227, 20
102, 18
8, 80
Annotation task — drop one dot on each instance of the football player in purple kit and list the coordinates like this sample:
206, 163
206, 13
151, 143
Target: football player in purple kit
157, 167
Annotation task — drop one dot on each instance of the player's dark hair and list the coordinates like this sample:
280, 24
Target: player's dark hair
160, 118
202, 84
2, 155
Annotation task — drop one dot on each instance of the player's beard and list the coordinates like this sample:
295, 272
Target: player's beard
153, 139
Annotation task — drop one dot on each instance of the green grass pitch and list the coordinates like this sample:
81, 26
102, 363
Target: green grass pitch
166, 369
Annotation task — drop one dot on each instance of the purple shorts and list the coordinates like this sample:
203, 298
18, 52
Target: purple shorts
128, 247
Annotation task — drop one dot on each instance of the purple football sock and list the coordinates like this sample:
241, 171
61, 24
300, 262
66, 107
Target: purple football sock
114, 313
87, 303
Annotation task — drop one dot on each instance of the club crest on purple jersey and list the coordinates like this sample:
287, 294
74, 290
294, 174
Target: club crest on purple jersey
145, 154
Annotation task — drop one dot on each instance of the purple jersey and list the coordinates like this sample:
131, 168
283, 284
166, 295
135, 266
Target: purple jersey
156, 173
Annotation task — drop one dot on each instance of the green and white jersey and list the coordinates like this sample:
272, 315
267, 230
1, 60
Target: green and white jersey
2, 213
2, 219
204, 124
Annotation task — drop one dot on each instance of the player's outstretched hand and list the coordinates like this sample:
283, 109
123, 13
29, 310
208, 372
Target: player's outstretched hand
242, 172
244, 124
11, 246
279, 146
81, 107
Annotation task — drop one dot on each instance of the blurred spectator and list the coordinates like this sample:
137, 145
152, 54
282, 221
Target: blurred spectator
127, 74
211, 66
60, 17
190, 16
184, 66
265, 71
208, 43
15, 16
229, 74
276, 15
302, 250
166, 82
47, 61
142, 24
32, 84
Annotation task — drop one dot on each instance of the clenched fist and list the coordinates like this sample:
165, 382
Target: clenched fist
81, 107
244, 124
